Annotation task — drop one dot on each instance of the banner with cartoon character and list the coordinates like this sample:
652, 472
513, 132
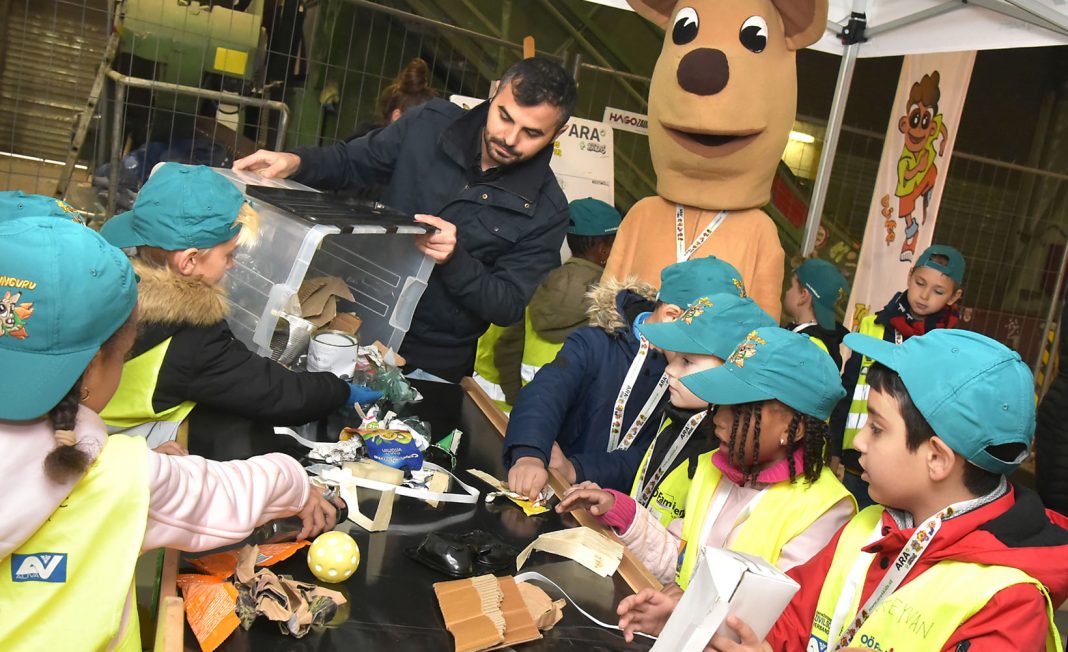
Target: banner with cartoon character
912, 172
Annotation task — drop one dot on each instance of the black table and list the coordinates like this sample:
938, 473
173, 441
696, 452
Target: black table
391, 600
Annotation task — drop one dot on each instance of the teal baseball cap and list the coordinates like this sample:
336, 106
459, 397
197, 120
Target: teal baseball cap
63, 292
15, 203
682, 283
773, 363
974, 391
954, 266
593, 217
179, 207
826, 285
712, 325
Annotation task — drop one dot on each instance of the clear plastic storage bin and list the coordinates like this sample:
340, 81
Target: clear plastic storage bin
385, 271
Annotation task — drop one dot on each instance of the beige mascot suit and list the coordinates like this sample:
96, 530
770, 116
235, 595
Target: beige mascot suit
721, 105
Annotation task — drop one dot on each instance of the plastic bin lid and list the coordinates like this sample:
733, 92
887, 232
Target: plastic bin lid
344, 213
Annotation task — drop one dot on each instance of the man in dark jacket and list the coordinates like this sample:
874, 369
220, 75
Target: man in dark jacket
592, 413
483, 176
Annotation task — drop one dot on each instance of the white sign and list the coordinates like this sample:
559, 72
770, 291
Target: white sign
912, 172
626, 120
584, 161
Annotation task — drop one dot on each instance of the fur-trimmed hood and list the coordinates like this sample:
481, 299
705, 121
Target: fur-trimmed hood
165, 297
610, 298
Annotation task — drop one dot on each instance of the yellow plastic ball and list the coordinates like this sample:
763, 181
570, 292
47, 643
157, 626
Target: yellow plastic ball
333, 557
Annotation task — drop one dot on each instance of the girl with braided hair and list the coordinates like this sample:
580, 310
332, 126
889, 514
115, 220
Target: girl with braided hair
80, 506
766, 490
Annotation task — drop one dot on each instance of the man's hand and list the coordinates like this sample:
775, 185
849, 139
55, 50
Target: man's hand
171, 448
647, 612
749, 640
594, 501
269, 165
318, 515
559, 463
440, 245
527, 477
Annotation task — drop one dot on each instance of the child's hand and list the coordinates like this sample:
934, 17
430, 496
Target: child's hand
171, 448
749, 640
318, 515
527, 477
646, 612
559, 463
595, 501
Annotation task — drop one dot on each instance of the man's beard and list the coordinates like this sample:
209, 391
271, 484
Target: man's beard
490, 142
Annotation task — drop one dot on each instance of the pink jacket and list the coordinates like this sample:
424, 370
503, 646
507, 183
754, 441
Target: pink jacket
194, 504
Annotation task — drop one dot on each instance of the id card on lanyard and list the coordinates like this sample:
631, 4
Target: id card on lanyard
645, 488
840, 635
616, 428
682, 252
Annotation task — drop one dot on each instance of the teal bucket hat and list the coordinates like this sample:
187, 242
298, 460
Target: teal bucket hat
682, 283
773, 363
712, 325
826, 285
973, 391
63, 292
179, 207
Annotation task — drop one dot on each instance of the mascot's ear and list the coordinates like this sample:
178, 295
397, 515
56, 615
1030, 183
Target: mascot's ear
804, 20
659, 11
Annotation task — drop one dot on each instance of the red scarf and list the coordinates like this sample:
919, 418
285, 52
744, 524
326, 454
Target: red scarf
898, 315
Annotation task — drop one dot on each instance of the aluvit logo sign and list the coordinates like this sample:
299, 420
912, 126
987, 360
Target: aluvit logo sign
39, 567
625, 120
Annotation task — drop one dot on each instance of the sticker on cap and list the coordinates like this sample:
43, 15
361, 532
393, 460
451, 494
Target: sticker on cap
13, 315
746, 349
741, 288
695, 311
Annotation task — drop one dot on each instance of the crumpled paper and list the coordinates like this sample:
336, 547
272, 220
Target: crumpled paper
529, 508
337, 453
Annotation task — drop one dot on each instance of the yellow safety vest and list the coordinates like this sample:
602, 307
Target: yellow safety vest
785, 511
668, 501
486, 373
920, 615
858, 408
537, 351
65, 588
130, 411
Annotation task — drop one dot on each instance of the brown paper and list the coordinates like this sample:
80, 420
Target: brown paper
318, 298
346, 322
545, 611
485, 613
519, 627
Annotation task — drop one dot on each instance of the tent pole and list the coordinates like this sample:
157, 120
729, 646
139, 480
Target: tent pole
830, 145
1028, 11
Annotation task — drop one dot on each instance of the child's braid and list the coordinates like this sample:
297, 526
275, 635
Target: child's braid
66, 460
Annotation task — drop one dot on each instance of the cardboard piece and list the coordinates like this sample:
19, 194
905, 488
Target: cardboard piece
369, 469
545, 611
209, 607
592, 549
725, 583
346, 322
529, 508
485, 613
318, 298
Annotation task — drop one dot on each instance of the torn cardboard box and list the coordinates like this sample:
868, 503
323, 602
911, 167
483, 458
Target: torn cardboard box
592, 549
318, 302
485, 613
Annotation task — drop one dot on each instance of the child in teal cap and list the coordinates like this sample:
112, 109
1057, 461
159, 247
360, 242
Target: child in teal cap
954, 556
186, 224
811, 304
593, 411
764, 491
79, 507
559, 306
928, 303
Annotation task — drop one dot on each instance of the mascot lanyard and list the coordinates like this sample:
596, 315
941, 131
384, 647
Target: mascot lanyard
906, 560
614, 442
682, 252
645, 489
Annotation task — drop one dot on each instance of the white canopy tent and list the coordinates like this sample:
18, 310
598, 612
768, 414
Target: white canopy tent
880, 28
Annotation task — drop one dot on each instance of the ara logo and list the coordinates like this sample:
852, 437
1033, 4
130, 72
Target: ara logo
39, 567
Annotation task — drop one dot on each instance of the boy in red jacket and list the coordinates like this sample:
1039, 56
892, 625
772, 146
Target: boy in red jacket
954, 557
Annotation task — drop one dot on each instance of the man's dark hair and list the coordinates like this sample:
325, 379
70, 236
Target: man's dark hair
976, 480
539, 81
580, 244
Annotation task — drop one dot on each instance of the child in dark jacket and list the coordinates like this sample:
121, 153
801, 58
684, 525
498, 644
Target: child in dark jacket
929, 302
594, 410
186, 224
810, 303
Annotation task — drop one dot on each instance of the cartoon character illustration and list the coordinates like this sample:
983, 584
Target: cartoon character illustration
916, 170
13, 316
746, 349
696, 310
722, 102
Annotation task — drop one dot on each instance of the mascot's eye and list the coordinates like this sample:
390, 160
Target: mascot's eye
686, 24
926, 121
753, 35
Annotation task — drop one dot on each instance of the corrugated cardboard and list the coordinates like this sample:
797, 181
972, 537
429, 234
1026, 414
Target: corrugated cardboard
485, 613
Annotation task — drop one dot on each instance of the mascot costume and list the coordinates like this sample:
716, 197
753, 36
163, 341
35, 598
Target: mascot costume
721, 106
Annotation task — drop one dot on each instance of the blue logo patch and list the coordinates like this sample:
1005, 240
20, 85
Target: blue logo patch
39, 567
